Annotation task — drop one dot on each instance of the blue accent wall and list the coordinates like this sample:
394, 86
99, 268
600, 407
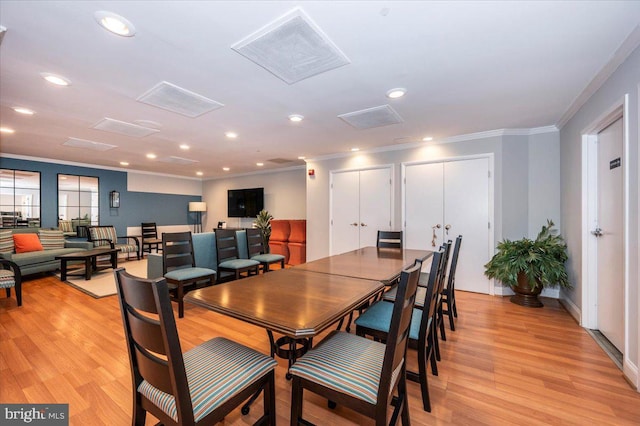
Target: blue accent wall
135, 207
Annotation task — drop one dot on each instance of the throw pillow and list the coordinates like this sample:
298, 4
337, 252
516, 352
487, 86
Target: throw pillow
51, 239
6, 241
27, 242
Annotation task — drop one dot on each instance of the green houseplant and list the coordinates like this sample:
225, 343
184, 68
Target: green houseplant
263, 223
527, 266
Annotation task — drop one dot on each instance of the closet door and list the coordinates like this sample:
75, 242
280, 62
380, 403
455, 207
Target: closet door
345, 212
423, 207
375, 204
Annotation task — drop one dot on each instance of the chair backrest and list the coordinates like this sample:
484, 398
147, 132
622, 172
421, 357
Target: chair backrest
389, 239
398, 336
255, 242
96, 233
152, 339
65, 225
226, 245
177, 251
451, 279
149, 230
438, 265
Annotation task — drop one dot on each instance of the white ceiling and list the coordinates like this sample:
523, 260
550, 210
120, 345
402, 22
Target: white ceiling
468, 67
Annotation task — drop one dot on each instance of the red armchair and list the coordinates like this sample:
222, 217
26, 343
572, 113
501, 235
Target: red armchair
289, 238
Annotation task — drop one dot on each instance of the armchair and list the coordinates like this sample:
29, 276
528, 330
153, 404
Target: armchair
10, 276
106, 236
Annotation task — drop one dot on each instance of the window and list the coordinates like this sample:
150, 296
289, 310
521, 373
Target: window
78, 202
19, 198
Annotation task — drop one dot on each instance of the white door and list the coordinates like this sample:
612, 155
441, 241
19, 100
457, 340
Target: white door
447, 199
610, 244
360, 206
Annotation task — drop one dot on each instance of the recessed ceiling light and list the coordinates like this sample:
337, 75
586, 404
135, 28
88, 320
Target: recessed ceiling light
199, 173
259, 164
226, 169
184, 146
55, 79
427, 139
6, 130
396, 93
355, 149
231, 135
296, 118
302, 157
24, 111
115, 23
124, 163
151, 156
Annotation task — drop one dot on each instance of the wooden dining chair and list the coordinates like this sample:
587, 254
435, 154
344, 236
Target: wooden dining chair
376, 322
389, 239
448, 296
199, 387
257, 250
179, 267
150, 238
229, 257
360, 373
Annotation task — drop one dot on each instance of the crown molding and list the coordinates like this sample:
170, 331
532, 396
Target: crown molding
260, 172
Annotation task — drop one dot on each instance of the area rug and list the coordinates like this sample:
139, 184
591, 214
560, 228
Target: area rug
103, 283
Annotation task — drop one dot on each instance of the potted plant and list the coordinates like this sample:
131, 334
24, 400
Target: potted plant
527, 266
263, 223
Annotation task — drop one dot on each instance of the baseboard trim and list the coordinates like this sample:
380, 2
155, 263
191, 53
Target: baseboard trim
571, 307
630, 373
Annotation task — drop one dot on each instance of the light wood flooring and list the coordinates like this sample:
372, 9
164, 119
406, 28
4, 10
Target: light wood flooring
505, 364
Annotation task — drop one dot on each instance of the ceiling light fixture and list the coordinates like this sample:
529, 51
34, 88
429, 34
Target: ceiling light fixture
355, 149
302, 157
231, 135
296, 118
199, 173
55, 79
115, 23
151, 156
184, 146
427, 139
6, 130
226, 169
259, 164
396, 93
24, 111
124, 163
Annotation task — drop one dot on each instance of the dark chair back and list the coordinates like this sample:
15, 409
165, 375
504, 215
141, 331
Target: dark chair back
177, 251
226, 245
451, 278
389, 239
255, 242
149, 230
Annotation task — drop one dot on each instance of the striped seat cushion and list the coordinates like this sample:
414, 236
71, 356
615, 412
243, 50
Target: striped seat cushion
51, 239
127, 248
7, 279
421, 294
6, 241
378, 317
238, 263
216, 371
346, 363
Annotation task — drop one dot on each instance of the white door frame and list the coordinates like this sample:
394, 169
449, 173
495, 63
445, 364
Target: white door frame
589, 310
490, 157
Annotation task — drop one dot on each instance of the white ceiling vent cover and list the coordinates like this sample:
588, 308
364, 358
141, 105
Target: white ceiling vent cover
124, 128
85, 144
372, 117
292, 48
177, 160
176, 99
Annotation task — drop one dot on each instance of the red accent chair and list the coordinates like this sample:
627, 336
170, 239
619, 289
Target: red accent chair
298, 242
279, 240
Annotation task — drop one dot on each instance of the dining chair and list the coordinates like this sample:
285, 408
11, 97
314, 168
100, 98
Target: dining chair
150, 238
448, 295
107, 236
360, 373
376, 322
179, 267
257, 251
389, 239
229, 258
199, 387
11, 277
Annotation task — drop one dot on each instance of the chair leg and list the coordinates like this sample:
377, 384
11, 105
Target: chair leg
180, 297
441, 323
19, 292
296, 401
432, 354
270, 399
424, 385
454, 305
139, 413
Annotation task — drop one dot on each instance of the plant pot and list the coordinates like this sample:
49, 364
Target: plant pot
525, 296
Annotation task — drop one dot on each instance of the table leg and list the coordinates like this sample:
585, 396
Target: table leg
63, 267
114, 260
88, 267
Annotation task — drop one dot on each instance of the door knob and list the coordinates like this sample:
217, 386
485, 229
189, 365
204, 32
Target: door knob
354, 224
597, 232
363, 224
447, 227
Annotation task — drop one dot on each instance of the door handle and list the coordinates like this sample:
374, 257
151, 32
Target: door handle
435, 237
447, 227
363, 224
354, 224
597, 232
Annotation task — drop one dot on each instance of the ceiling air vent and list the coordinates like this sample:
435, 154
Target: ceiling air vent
176, 99
85, 144
177, 160
124, 128
372, 117
292, 48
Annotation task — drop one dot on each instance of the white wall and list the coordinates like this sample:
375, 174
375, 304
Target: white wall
544, 180
284, 196
147, 182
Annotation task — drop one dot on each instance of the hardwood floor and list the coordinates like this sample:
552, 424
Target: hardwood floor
504, 364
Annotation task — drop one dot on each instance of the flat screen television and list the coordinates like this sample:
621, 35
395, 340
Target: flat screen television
245, 202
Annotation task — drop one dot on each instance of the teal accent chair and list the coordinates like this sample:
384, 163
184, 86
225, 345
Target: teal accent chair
179, 267
257, 251
229, 259
376, 322
201, 386
360, 373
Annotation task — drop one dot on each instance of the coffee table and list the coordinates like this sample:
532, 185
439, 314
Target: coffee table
90, 259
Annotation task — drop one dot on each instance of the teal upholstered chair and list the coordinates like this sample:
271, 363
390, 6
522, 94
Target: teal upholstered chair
257, 251
199, 387
360, 373
10, 276
376, 322
179, 267
229, 256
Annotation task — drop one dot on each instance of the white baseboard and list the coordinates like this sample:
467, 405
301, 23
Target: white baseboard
630, 370
573, 310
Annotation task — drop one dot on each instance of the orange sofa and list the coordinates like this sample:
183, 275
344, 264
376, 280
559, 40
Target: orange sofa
289, 238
